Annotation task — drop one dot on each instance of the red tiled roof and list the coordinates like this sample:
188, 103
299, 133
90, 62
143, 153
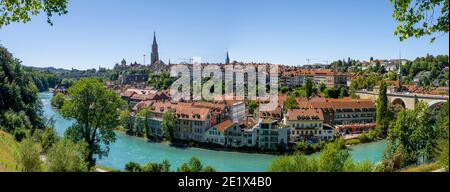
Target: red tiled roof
182, 110
305, 114
224, 125
345, 103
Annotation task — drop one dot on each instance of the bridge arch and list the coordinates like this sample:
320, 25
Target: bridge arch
437, 104
398, 103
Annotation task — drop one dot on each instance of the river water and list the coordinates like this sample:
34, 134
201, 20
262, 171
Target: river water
127, 148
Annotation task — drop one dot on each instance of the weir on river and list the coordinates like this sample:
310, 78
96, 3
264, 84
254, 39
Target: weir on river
128, 148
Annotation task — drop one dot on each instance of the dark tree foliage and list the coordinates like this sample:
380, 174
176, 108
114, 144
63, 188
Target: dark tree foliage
18, 93
43, 79
383, 116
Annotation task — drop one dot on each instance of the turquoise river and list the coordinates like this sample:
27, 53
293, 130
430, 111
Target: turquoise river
127, 148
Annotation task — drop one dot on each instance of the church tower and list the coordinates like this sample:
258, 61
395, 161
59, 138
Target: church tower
154, 54
227, 60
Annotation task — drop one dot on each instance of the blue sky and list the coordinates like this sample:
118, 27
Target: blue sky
101, 32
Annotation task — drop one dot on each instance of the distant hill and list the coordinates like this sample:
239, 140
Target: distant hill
50, 69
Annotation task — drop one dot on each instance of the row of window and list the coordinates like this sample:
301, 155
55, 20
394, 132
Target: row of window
306, 126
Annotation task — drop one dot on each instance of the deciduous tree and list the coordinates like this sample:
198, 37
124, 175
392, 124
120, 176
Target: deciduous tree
413, 136
21, 11
96, 113
168, 125
417, 18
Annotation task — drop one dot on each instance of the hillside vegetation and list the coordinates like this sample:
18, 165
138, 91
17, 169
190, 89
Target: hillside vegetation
8, 148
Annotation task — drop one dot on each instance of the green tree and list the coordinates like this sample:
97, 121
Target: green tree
351, 166
13, 121
165, 166
58, 100
252, 105
333, 157
160, 81
96, 113
299, 92
417, 18
194, 165
29, 156
443, 153
21, 11
18, 93
67, 156
295, 163
413, 137
209, 169
125, 121
342, 92
43, 79
290, 103
309, 87
47, 138
67, 82
443, 126
382, 114
168, 125
329, 93
133, 167
284, 90
301, 147
322, 87
352, 93
145, 114
156, 167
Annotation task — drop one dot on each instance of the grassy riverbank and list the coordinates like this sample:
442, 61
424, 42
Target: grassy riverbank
430, 167
8, 149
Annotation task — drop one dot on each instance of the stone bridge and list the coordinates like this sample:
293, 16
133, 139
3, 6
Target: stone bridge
405, 99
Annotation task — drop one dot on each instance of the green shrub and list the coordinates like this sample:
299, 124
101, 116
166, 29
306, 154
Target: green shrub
304, 147
58, 100
67, 156
372, 135
19, 134
28, 156
46, 138
352, 142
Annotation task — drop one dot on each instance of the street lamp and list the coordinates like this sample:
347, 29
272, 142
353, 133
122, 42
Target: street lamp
144, 59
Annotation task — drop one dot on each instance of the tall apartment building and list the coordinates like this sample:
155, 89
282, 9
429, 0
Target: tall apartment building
192, 122
307, 125
347, 115
269, 135
296, 77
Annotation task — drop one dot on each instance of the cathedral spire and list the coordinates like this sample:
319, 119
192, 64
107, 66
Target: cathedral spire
154, 54
227, 60
154, 37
